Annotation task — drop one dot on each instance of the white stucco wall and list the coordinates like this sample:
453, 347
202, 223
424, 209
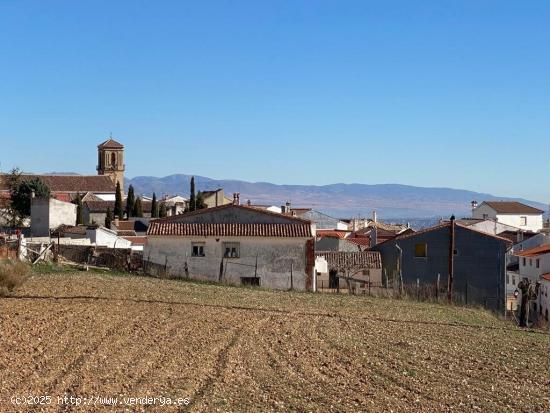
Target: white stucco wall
106, 238
49, 213
528, 266
534, 221
274, 255
544, 299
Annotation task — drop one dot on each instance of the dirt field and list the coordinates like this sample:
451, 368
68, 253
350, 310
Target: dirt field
234, 349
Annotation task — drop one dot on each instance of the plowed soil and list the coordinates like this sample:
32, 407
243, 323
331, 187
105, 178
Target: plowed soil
233, 349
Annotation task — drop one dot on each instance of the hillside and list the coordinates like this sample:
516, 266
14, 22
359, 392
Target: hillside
392, 201
243, 350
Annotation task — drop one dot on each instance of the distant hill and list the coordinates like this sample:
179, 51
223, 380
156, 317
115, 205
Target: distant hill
391, 201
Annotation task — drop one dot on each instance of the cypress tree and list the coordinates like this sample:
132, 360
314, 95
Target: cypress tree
192, 197
119, 212
154, 207
130, 202
79, 214
138, 209
108, 218
162, 210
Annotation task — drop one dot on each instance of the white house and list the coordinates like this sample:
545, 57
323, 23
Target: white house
235, 244
104, 237
544, 297
515, 214
534, 264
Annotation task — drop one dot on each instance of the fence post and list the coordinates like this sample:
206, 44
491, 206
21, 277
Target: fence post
291, 277
466, 292
418, 289
437, 287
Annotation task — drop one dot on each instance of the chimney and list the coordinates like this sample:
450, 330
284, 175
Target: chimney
236, 200
474, 205
374, 217
288, 207
248, 202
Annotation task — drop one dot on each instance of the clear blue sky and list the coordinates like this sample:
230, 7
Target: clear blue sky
430, 93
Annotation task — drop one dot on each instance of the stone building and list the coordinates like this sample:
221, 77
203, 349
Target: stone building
234, 244
111, 160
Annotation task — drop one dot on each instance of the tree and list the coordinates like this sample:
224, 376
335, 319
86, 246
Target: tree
154, 207
192, 197
108, 218
21, 193
119, 212
138, 209
200, 201
79, 210
162, 210
130, 202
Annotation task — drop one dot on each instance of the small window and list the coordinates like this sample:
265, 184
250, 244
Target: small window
455, 252
524, 261
523, 221
513, 279
507, 278
485, 216
366, 272
421, 250
197, 249
231, 250
538, 263
530, 262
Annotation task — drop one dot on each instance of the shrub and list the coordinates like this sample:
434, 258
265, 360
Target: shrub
12, 275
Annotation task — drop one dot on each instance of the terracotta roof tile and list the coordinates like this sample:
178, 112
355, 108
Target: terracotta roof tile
507, 207
342, 261
533, 252
111, 144
69, 183
545, 277
161, 228
330, 233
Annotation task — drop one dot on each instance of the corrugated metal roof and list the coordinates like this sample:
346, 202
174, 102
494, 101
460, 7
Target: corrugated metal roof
162, 228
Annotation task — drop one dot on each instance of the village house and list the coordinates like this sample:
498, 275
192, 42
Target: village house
477, 261
234, 244
95, 212
358, 270
514, 214
175, 205
50, 213
215, 198
534, 264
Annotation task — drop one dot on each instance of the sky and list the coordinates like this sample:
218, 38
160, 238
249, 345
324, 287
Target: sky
428, 93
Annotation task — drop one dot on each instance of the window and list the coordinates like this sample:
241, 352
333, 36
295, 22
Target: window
421, 250
538, 263
366, 272
524, 261
197, 249
530, 262
523, 221
507, 278
231, 250
513, 279
485, 216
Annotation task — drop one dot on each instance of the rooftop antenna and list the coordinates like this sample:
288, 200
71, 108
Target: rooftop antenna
111, 135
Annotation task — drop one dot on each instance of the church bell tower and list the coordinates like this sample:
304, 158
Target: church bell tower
111, 161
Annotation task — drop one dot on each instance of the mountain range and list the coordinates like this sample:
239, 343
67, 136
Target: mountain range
391, 201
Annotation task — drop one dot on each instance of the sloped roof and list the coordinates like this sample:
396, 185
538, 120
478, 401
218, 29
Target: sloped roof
446, 224
534, 252
332, 233
162, 228
512, 207
69, 183
110, 144
545, 277
341, 260
288, 218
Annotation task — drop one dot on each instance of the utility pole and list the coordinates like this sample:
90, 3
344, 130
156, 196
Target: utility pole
452, 228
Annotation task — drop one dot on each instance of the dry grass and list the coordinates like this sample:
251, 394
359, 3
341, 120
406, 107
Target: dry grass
12, 275
239, 349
